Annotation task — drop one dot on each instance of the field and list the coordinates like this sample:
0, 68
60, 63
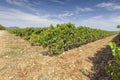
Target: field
59, 39
25, 55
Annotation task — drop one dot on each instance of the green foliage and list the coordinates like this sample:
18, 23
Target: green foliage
118, 26
66, 36
25, 32
2, 27
51, 26
62, 37
113, 67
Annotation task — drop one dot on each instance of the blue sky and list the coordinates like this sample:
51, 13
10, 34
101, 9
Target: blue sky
102, 14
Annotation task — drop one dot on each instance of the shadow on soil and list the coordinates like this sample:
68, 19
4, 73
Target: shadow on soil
100, 61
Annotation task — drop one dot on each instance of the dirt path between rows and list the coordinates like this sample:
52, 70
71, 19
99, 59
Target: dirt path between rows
20, 61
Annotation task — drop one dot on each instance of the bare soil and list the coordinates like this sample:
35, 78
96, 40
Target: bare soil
21, 61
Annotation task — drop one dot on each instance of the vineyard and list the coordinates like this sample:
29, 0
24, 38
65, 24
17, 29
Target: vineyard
60, 38
86, 52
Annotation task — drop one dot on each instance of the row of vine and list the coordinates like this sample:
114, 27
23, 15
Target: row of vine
62, 37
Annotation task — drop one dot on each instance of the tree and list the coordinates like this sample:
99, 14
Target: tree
2, 27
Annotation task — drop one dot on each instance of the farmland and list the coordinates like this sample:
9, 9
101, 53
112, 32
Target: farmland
62, 37
59, 39
39, 54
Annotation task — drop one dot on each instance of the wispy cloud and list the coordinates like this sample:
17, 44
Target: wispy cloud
17, 2
58, 1
17, 15
64, 16
26, 4
79, 9
67, 15
109, 6
102, 22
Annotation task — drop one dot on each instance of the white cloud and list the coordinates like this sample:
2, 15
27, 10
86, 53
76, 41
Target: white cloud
67, 13
108, 23
58, 1
27, 18
109, 6
65, 16
17, 2
16, 14
79, 9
